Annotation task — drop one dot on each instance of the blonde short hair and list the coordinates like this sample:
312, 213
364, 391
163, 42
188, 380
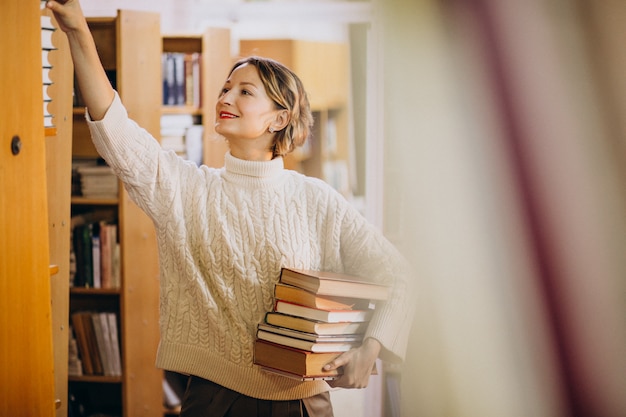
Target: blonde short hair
286, 90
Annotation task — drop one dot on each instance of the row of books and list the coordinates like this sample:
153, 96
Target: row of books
95, 254
316, 317
47, 30
97, 341
182, 133
93, 180
181, 79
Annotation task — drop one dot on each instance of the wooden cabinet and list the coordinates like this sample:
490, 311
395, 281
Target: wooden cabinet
129, 46
324, 68
213, 47
34, 210
26, 355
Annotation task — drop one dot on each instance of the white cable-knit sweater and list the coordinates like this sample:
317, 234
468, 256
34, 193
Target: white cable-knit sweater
223, 235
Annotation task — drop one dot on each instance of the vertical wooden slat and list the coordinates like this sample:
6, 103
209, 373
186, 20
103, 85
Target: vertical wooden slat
26, 358
139, 85
58, 174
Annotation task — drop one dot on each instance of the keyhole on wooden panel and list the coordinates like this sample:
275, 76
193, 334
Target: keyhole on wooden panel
16, 145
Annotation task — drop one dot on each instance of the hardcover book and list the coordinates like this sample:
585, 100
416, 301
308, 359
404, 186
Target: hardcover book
315, 327
294, 361
311, 346
311, 337
335, 284
301, 296
328, 316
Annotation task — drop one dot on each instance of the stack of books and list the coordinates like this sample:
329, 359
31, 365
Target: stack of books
316, 317
47, 46
98, 181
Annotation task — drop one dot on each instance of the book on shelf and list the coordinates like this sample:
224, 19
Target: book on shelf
87, 344
74, 364
82, 344
181, 79
329, 316
47, 46
298, 363
306, 298
45, 74
95, 257
94, 253
115, 343
182, 133
312, 346
311, 337
46, 35
45, 58
98, 181
108, 242
314, 327
335, 284
101, 331
82, 242
98, 342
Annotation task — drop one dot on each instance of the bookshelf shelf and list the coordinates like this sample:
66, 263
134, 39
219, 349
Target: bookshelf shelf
194, 111
96, 379
94, 291
82, 201
129, 46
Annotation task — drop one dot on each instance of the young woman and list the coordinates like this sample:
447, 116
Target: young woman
224, 234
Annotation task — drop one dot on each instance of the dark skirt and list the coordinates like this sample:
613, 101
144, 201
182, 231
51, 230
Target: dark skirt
204, 398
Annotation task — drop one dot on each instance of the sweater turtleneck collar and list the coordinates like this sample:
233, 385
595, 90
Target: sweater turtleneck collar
244, 172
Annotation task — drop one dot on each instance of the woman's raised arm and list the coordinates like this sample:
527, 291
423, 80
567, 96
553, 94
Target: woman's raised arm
93, 83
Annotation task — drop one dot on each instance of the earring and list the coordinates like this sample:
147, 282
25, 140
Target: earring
271, 129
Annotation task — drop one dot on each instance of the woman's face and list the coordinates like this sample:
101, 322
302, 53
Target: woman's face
243, 110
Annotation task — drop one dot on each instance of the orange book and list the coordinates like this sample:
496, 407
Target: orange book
306, 298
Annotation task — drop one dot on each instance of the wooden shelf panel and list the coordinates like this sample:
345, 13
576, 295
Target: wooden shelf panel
83, 201
94, 291
181, 110
96, 379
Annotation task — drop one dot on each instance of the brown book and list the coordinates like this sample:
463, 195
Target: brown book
294, 361
83, 344
311, 346
315, 327
309, 299
335, 284
92, 343
328, 316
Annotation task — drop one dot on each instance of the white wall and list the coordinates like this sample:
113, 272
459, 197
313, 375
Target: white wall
321, 21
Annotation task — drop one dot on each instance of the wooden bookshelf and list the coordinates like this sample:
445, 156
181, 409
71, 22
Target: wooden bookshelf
213, 45
31, 221
129, 46
34, 217
328, 92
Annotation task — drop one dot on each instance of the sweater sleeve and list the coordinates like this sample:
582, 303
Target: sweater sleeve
150, 174
366, 252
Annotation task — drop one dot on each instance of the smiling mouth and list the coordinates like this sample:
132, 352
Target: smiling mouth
226, 115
